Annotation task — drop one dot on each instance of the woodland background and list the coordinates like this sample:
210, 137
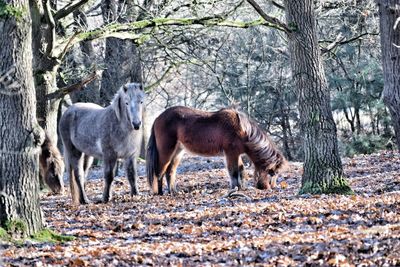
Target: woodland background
214, 67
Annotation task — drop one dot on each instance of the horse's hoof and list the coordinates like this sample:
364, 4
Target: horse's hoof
84, 202
101, 201
135, 193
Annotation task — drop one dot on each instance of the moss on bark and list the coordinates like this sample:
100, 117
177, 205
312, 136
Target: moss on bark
338, 185
47, 235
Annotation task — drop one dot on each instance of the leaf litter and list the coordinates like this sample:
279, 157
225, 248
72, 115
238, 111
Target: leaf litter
208, 224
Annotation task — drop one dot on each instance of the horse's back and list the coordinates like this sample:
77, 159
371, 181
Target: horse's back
201, 132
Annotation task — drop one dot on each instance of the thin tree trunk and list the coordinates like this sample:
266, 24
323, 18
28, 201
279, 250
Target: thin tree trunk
323, 171
358, 120
20, 134
389, 13
349, 120
44, 70
92, 90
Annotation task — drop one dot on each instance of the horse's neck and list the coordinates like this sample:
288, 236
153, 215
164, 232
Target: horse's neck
123, 125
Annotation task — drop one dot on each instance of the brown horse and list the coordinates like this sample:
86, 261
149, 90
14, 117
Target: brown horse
225, 132
51, 167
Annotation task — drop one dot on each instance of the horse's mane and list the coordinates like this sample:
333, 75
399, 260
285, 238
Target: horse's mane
51, 153
261, 150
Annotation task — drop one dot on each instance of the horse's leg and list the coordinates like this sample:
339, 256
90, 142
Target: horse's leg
74, 164
87, 163
242, 172
165, 155
171, 170
131, 173
232, 163
109, 173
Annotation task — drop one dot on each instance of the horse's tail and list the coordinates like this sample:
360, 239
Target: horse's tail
152, 167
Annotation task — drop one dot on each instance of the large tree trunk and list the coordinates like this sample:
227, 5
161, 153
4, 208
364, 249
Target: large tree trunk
323, 171
20, 134
389, 12
44, 69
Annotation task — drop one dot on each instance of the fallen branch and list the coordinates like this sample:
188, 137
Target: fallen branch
235, 194
71, 88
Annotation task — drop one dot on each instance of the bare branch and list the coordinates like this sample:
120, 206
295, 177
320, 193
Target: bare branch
71, 88
67, 46
278, 5
280, 25
68, 9
159, 80
340, 40
52, 28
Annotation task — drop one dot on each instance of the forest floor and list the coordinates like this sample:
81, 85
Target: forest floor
203, 226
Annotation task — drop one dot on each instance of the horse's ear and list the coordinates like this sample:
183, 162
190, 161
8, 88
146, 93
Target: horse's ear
141, 86
125, 88
117, 107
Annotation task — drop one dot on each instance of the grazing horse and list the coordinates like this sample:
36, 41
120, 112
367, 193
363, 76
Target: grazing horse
224, 132
51, 167
109, 134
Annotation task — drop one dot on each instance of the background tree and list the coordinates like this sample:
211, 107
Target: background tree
323, 171
21, 136
389, 13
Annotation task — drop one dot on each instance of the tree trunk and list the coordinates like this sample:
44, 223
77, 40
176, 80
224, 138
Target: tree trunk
92, 90
323, 171
358, 120
285, 138
20, 134
44, 69
122, 59
389, 12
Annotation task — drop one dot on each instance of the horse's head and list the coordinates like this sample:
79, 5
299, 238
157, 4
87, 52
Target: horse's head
266, 177
52, 168
263, 179
130, 101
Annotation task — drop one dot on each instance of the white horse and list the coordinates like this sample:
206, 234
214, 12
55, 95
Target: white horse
109, 134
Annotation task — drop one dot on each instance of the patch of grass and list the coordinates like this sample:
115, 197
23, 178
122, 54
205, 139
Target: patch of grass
47, 235
7, 10
3, 234
17, 227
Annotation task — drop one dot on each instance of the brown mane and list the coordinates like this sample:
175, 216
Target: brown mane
261, 150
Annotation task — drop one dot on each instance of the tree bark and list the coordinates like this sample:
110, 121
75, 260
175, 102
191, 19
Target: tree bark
323, 172
92, 90
20, 134
45, 68
389, 13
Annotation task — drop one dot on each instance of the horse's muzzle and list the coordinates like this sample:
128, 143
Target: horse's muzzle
136, 126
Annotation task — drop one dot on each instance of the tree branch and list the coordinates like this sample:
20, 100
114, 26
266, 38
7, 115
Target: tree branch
340, 40
130, 30
68, 9
71, 88
266, 17
52, 28
278, 5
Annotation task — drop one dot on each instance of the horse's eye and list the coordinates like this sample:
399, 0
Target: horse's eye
127, 103
141, 102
